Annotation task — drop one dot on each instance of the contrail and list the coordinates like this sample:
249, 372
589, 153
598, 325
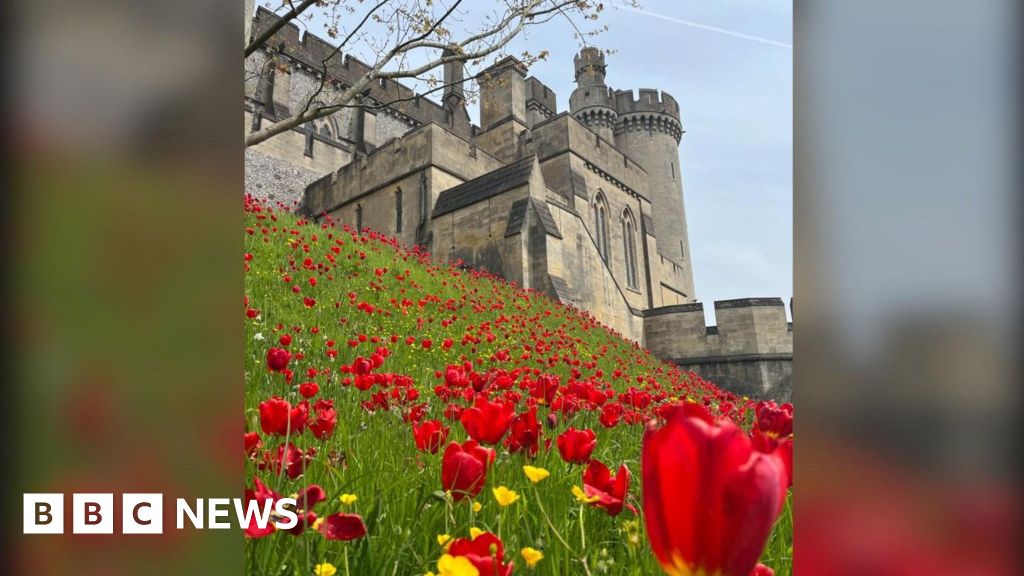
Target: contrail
675, 20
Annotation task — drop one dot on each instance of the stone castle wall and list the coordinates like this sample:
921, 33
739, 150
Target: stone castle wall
521, 196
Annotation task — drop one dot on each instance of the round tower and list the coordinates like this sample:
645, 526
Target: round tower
592, 102
649, 132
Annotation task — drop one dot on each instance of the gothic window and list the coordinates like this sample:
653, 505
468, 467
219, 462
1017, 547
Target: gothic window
398, 211
359, 217
325, 131
309, 140
629, 247
601, 225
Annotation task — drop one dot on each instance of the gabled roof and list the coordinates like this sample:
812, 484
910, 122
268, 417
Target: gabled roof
489, 185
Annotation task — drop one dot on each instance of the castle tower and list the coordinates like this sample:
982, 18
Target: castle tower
649, 131
592, 102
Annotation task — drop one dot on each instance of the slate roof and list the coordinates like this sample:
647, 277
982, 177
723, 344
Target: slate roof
516, 217
487, 186
546, 219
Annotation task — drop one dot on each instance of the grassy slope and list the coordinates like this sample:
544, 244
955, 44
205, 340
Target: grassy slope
372, 454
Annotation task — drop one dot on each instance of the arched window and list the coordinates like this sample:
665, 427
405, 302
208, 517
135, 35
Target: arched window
629, 247
601, 225
325, 131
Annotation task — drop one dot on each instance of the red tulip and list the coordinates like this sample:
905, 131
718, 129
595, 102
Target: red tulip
252, 442
485, 552
464, 468
575, 446
342, 526
274, 416
486, 422
525, 434
429, 436
774, 421
762, 570
710, 499
308, 389
277, 359
326, 419
260, 494
610, 490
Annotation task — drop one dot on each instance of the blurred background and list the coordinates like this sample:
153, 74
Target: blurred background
123, 315
125, 275
907, 294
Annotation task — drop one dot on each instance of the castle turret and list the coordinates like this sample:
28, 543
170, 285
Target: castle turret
649, 131
592, 102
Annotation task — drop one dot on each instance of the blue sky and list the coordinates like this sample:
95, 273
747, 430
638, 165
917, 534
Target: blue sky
729, 64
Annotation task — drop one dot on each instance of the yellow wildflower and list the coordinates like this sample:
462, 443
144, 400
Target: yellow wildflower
348, 499
532, 556
325, 569
316, 524
444, 540
535, 474
504, 496
449, 565
474, 532
477, 506
582, 496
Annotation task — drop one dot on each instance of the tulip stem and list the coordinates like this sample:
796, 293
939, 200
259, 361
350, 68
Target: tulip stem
583, 533
544, 513
346, 560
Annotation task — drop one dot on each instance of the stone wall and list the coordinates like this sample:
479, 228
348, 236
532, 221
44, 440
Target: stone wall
749, 352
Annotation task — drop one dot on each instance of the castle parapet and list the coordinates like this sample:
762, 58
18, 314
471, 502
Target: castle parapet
649, 100
749, 352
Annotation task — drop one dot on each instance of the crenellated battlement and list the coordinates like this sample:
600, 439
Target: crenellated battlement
307, 52
751, 346
649, 101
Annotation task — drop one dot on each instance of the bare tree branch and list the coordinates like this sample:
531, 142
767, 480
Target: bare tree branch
273, 28
416, 27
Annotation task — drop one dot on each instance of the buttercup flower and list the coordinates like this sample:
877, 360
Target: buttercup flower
504, 496
325, 569
531, 556
535, 474
348, 499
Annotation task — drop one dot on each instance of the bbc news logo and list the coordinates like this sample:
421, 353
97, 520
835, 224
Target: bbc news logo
144, 513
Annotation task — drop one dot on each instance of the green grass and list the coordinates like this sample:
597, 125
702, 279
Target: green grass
373, 456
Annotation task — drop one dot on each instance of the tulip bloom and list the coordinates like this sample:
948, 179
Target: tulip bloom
277, 359
610, 490
260, 494
485, 552
429, 436
486, 422
709, 498
525, 434
464, 468
326, 419
575, 446
344, 527
278, 417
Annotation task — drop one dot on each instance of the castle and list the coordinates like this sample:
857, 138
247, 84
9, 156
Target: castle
585, 205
